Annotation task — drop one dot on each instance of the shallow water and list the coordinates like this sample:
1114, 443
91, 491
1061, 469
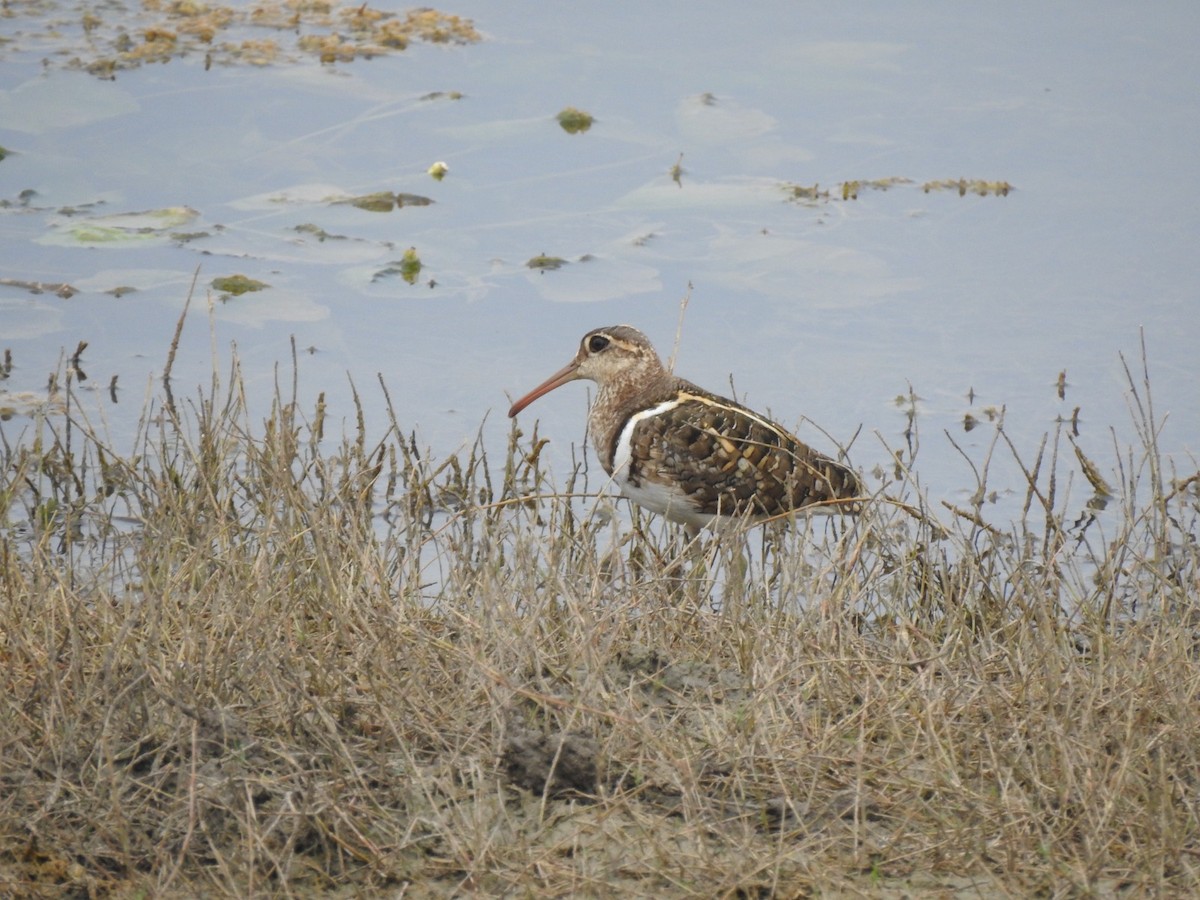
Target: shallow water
821, 311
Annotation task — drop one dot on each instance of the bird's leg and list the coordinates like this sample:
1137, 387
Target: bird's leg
701, 555
686, 567
673, 567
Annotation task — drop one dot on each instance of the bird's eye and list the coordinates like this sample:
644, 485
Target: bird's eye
596, 343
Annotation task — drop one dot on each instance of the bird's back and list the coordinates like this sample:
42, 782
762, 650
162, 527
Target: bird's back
703, 455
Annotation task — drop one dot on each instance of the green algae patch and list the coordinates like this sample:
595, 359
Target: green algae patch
380, 201
676, 171
574, 121
318, 232
186, 237
851, 189
236, 285
386, 201
847, 190
814, 194
121, 229
403, 200
802, 193
410, 265
544, 262
964, 186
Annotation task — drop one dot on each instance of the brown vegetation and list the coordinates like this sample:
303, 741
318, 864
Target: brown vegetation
240, 658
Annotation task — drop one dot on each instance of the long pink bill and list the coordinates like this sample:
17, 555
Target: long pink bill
558, 379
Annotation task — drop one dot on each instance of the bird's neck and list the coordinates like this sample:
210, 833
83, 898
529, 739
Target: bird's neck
618, 399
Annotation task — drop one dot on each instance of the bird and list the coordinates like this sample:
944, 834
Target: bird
695, 457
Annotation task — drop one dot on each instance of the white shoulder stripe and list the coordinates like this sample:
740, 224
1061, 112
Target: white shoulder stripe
624, 450
741, 410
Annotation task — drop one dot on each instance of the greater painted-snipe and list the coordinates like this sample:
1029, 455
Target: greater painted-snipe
695, 457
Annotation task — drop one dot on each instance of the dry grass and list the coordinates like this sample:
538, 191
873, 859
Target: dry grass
240, 658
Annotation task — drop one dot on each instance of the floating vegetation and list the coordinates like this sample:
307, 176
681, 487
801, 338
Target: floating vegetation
676, 171
120, 229
186, 237
381, 201
438, 170
574, 121
24, 198
318, 232
236, 285
31, 403
252, 53
804, 193
810, 195
850, 189
543, 262
970, 420
59, 289
408, 267
3, 152
974, 186
386, 201
108, 39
